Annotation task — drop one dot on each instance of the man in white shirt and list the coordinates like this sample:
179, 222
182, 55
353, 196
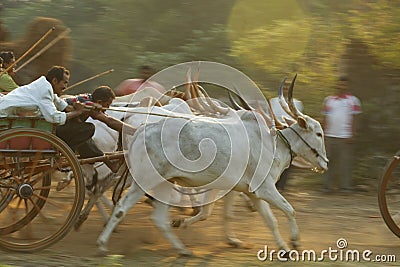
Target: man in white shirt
279, 113
339, 124
42, 95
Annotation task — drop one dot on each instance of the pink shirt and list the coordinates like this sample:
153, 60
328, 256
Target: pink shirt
339, 111
130, 86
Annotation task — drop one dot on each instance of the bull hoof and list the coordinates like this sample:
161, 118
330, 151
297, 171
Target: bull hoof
185, 253
177, 222
78, 224
295, 244
195, 211
63, 184
236, 243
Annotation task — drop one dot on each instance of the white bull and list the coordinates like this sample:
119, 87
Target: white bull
249, 148
107, 141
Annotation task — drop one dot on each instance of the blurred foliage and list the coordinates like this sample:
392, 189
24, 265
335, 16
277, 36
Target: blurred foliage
377, 24
267, 40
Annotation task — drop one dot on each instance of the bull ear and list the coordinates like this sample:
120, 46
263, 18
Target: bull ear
289, 121
302, 122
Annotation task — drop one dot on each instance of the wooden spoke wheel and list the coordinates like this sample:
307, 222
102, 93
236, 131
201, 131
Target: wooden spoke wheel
41, 189
389, 195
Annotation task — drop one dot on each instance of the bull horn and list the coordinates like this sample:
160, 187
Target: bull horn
244, 103
235, 105
292, 107
282, 100
190, 92
188, 83
268, 120
211, 103
275, 121
202, 99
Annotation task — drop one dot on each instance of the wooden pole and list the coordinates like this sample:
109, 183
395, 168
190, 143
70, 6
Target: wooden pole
28, 51
115, 155
88, 79
55, 40
87, 107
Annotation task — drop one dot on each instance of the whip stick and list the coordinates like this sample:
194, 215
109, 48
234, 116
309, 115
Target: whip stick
29, 50
55, 40
88, 79
137, 112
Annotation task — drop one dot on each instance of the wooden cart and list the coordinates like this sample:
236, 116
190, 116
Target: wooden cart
389, 194
37, 206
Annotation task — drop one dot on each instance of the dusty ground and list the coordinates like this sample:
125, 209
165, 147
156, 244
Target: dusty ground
322, 219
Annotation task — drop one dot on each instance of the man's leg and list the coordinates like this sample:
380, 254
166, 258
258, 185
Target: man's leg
346, 165
89, 149
78, 136
75, 132
332, 153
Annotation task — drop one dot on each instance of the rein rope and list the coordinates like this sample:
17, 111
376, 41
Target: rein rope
116, 196
304, 141
284, 139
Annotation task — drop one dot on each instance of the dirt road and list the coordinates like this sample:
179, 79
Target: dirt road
322, 220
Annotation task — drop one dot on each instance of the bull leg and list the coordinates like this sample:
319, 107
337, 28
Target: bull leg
204, 213
93, 198
161, 219
248, 201
228, 216
133, 195
101, 209
265, 211
195, 205
270, 194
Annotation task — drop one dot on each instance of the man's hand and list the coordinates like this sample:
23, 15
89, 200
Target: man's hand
97, 106
92, 106
97, 115
79, 106
77, 111
12, 72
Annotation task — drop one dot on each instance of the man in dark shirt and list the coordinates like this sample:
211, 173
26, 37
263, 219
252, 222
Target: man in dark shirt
77, 133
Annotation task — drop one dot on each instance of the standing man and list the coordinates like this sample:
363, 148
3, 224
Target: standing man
339, 123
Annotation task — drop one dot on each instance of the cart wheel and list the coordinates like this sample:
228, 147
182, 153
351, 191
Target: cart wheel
389, 195
39, 202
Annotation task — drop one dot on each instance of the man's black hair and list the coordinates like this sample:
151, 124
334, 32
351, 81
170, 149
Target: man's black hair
56, 72
7, 56
103, 93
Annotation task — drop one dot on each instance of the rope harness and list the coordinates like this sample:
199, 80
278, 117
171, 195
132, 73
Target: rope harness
292, 153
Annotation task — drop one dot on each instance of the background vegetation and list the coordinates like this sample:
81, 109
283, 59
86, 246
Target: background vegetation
267, 40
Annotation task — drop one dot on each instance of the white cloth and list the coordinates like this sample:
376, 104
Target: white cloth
339, 113
278, 110
36, 95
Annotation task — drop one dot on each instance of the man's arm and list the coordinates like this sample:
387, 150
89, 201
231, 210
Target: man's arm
75, 111
111, 122
7, 84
